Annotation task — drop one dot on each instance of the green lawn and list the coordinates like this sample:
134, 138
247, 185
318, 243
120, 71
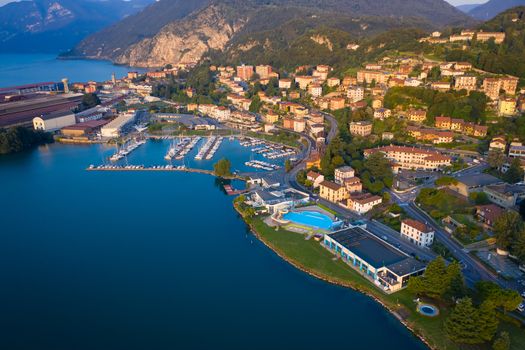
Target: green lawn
440, 203
312, 257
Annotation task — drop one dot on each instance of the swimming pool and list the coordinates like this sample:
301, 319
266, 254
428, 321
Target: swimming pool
312, 219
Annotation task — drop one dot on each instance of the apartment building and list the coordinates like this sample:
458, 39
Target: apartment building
343, 173
412, 158
332, 192
361, 128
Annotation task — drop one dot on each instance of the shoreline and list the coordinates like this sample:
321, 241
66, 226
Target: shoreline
329, 280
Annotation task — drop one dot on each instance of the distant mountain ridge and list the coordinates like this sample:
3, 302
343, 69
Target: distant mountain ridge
492, 8
467, 8
172, 31
56, 25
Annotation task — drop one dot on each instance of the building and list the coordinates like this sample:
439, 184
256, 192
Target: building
440, 86
315, 178
355, 93
116, 126
337, 103
54, 121
271, 117
333, 82
492, 87
467, 184
369, 76
507, 107
315, 90
417, 232
382, 113
361, 128
505, 195
430, 135
285, 84
466, 82
83, 129
275, 199
498, 144
304, 81
22, 110
332, 192
488, 214
263, 71
343, 173
362, 203
417, 115
353, 185
498, 37
385, 266
516, 151
245, 72
412, 158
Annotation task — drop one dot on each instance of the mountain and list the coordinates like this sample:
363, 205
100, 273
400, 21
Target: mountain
172, 31
57, 25
493, 7
467, 8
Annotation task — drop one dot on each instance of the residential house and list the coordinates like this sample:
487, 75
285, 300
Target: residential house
362, 203
417, 232
382, 113
332, 192
507, 107
361, 128
498, 144
353, 185
417, 115
315, 178
488, 214
343, 173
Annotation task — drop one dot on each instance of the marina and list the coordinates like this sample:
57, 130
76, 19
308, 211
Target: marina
126, 149
182, 148
257, 164
208, 150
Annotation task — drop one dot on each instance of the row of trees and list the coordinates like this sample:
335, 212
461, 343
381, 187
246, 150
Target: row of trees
19, 139
474, 318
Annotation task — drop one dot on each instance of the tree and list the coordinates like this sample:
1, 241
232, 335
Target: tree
462, 325
89, 101
288, 165
489, 292
222, 168
439, 281
518, 247
433, 282
256, 104
515, 172
487, 321
456, 288
496, 159
503, 342
505, 228
479, 198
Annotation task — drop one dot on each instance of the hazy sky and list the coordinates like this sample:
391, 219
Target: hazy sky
453, 2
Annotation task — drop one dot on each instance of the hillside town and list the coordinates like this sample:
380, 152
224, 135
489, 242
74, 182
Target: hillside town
387, 166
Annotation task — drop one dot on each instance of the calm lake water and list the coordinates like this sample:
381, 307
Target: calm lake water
147, 260
18, 69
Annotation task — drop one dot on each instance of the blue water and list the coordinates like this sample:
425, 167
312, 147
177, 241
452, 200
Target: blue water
310, 218
155, 260
18, 69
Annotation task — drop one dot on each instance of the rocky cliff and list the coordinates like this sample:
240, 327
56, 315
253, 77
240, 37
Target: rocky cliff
187, 40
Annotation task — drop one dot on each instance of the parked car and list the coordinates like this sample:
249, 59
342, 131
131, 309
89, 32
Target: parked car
521, 307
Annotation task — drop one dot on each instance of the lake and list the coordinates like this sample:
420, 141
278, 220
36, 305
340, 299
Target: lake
156, 260
18, 69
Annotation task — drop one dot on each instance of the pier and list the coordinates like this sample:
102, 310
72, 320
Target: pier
158, 168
